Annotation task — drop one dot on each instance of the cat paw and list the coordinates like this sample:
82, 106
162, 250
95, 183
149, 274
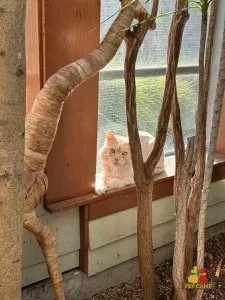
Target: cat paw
100, 191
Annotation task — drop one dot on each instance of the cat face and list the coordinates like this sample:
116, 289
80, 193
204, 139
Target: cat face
116, 150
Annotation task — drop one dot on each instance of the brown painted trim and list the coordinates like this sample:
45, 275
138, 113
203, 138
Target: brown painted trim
84, 238
34, 51
64, 205
127, 199
41, 41
221, 133
67, 36
218, 172
162, 188
122, 199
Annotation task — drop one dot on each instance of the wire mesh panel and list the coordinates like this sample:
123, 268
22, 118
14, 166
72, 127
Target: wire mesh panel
150, 89
153, 50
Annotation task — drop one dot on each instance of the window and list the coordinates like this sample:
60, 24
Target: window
151, 66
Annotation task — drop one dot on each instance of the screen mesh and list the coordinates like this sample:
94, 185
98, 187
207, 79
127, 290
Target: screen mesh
154, 47
112, 114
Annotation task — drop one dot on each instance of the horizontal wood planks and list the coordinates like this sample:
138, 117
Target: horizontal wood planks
221, 134
112, 246
66, 227
117, 226
127, 199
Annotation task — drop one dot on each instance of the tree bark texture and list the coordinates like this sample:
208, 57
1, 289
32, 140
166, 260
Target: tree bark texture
145, 246
12, 120
210, 161
174, 44
144, 172
190, 171
179, 147
200, 137
134, 40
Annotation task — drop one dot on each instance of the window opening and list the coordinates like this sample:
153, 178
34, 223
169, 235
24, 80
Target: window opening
150, 70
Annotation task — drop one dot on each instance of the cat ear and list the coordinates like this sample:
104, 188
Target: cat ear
110, 137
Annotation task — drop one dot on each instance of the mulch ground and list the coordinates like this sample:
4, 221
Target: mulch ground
215, 250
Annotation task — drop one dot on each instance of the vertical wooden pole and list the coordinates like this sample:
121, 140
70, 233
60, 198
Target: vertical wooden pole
68, 37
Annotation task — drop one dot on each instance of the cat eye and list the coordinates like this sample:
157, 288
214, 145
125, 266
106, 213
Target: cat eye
124, 153
112, 150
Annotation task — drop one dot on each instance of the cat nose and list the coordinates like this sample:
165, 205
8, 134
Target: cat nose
116, 159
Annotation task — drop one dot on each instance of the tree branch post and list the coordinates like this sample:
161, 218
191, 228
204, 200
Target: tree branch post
210, 161
133, 41
189, 176
12, 119
144, 172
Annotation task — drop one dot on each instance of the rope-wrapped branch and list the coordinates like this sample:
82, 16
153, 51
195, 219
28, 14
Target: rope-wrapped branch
42, 123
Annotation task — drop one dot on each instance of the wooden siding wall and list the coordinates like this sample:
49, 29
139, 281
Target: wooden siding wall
66, 227
113, 238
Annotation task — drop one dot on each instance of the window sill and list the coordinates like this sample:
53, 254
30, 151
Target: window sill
121, 199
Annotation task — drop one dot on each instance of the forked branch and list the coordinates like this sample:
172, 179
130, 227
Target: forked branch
134, 40
175, 39
144, 172
189, 178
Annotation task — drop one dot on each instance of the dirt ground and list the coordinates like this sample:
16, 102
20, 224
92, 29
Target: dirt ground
215, 250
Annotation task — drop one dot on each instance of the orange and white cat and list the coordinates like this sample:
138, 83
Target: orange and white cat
117, 169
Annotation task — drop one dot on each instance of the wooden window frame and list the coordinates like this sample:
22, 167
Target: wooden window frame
124, 198
34, 67
71, 172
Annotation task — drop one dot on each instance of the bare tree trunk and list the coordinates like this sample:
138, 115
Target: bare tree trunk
200, 138
144, 172
12, 120
144, 187
145, 246
199, 112
181, 221
179, 147
199, 142
210, 160
190, 168
174, 44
